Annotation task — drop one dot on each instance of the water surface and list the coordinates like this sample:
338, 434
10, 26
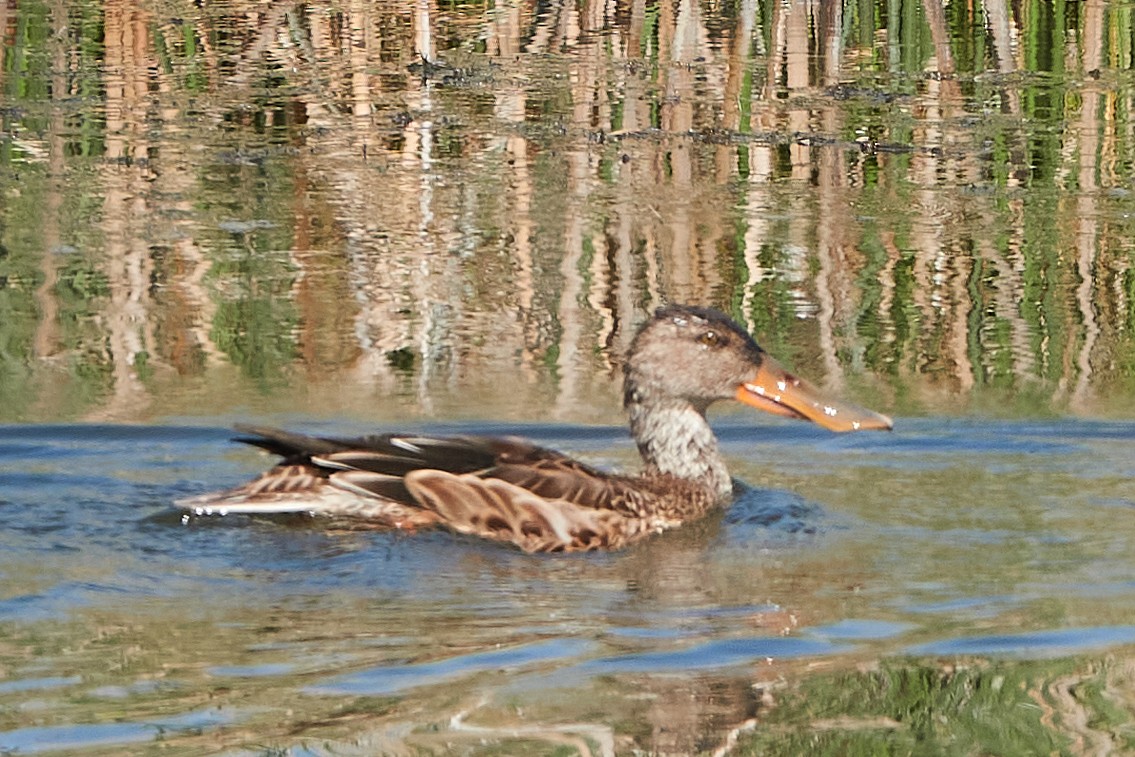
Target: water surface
943, 539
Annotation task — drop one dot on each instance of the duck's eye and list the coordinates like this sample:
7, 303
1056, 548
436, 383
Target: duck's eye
709, 339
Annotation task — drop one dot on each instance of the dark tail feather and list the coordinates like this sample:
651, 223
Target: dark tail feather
284, 443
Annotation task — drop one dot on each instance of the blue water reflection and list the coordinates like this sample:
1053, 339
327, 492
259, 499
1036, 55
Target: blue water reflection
93, 735
714, 655
1066, 641
395, 678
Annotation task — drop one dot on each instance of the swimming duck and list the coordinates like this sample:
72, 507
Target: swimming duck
681, 361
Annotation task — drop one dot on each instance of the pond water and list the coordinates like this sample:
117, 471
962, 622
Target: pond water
347, 218
122, 624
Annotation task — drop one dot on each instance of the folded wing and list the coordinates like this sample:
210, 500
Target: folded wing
500, 488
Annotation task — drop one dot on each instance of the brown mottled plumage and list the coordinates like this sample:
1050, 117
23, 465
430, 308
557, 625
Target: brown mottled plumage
505, 488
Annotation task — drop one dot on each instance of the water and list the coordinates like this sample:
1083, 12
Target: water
280, 215
946, 538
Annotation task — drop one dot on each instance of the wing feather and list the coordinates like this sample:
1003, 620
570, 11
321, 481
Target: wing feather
397, 454
368, 484
497, 509
579, 485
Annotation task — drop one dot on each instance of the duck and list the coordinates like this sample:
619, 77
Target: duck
508, 489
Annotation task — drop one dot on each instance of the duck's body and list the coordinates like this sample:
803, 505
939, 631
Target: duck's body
508, 489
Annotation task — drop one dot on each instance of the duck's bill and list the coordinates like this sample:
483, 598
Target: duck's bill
775, 390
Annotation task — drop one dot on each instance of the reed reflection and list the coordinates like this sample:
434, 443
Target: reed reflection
484, 193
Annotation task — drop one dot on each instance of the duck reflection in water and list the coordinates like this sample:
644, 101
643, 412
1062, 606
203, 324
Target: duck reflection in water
680, 362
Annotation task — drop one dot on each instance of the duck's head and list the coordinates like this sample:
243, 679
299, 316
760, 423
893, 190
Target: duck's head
701, 355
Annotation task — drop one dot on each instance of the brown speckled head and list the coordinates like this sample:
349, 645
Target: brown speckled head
700, 355
696, 354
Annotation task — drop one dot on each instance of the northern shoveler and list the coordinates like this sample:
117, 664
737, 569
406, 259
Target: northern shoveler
505, 488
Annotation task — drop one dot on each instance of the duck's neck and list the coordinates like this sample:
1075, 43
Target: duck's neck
674, 437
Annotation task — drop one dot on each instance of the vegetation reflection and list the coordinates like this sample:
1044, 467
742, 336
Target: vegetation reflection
929, 202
